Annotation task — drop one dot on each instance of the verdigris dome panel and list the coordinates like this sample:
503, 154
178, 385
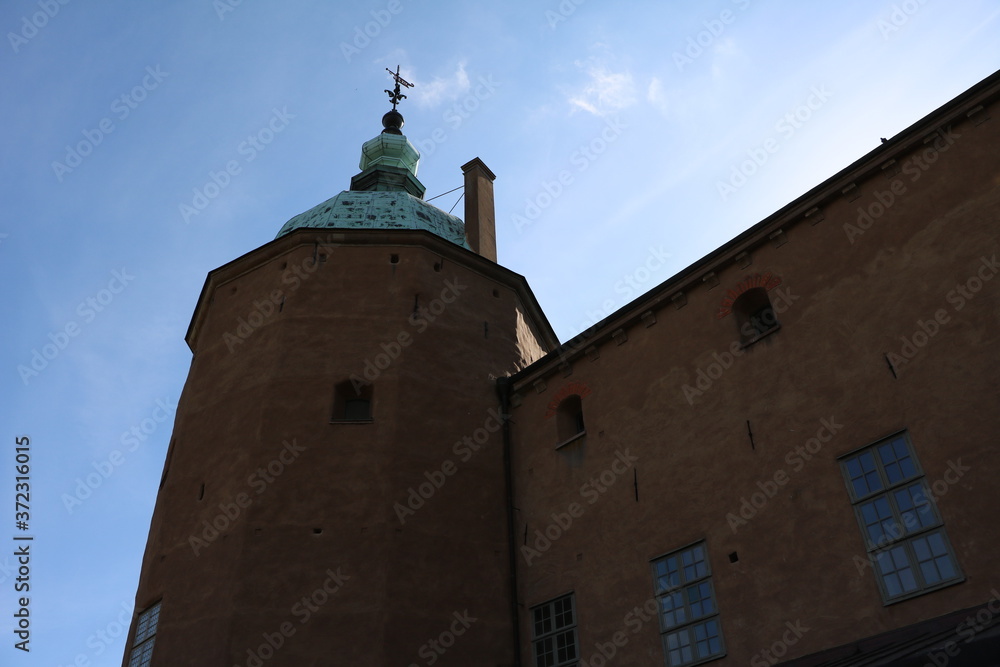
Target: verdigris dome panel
379, 210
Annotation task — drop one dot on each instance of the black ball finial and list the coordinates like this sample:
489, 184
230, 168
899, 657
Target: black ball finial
392, 121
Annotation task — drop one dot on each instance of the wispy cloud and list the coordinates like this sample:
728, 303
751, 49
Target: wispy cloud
433, 92
656, 95
605, 92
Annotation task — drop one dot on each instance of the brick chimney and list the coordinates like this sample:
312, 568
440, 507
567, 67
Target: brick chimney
480, 218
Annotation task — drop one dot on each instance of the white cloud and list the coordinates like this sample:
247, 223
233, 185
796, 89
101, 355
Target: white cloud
605, 92
657, 96
429, 94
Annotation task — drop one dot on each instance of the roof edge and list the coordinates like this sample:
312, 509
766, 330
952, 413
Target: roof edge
795, 212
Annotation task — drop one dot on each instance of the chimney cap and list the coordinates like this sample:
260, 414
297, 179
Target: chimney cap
475, 163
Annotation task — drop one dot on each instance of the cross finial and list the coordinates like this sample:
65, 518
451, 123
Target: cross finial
394, 95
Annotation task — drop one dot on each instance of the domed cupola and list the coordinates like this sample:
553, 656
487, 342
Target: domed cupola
386, 194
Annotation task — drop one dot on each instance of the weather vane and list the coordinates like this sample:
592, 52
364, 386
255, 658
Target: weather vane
394, 95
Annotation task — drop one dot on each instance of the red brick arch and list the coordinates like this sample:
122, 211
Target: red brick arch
567, 389
766, 280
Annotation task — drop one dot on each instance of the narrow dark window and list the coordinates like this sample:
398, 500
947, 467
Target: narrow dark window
755, 316
352, 402
569, 419
145, 636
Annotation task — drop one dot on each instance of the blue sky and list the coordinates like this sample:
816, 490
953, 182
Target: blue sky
614, 134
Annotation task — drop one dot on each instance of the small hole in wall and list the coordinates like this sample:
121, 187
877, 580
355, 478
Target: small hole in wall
322, 258
284, 265
496, 293
317, 531
394, 259
201, 492
437, 266
733, 557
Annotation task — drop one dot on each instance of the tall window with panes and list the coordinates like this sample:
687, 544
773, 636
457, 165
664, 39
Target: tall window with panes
689, 617
553, 635
145, 636
904, 535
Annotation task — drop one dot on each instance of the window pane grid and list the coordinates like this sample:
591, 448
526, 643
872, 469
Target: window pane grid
879, 521
864, 475
672, 610
554, 626
142, 655
896, 461
688, 623
898, 518
145, 637
915, 509
700, 600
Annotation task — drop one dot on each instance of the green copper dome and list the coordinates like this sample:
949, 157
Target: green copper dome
385, 195
379, 210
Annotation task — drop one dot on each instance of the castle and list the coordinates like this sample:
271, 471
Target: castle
784, 454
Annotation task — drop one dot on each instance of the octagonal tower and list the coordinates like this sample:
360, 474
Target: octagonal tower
334, 489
